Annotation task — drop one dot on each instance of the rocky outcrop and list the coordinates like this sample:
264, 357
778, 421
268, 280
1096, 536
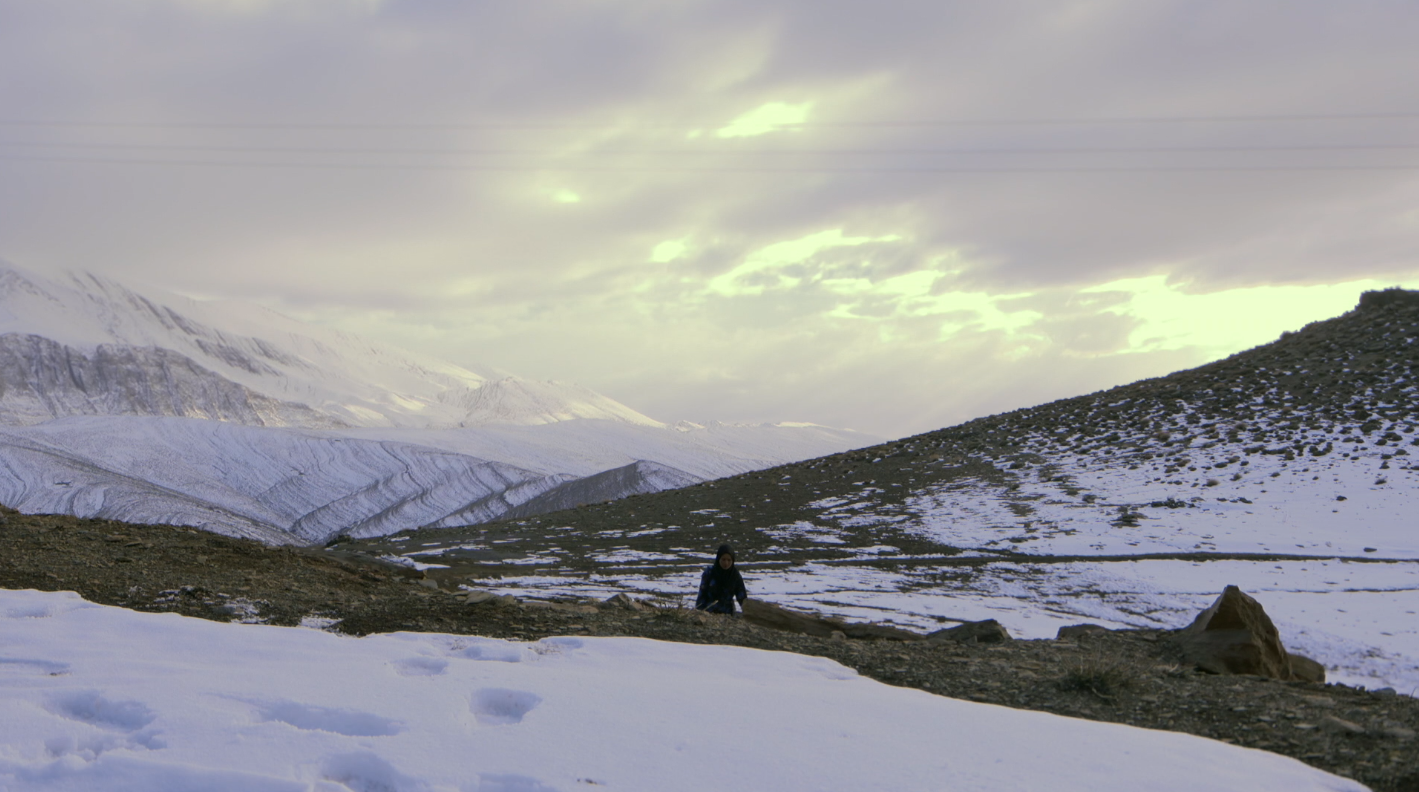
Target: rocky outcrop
767, 614
988, 631
1235, 636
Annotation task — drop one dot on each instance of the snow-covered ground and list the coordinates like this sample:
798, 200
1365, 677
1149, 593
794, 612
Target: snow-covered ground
101, 699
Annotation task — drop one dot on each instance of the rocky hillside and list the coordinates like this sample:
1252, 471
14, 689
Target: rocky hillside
1287, 469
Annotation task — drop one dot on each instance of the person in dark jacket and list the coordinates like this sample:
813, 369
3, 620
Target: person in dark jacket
721, 584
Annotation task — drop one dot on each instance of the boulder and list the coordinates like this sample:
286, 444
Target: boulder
988, 631
1235, 636
767, 614
1075, 631
1305, 669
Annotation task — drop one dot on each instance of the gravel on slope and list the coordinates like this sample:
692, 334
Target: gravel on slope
1129, 677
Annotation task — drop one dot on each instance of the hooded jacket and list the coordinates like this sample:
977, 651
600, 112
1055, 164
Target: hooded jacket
720, 587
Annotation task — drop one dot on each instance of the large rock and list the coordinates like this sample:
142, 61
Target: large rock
988, 631
766, 614
1235, 636
1076, 631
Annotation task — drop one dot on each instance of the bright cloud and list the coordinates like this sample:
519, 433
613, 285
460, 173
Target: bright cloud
669, 250
765, 268
765, 119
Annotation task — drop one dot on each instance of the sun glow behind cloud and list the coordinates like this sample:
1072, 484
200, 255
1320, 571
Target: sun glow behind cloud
765, 119
1224, 322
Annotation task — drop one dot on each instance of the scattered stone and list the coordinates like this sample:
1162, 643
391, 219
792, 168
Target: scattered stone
1335, 725
988, 631
1398, 731
623, 601
868, 631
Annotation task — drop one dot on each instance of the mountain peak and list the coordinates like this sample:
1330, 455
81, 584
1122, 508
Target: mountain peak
513, 400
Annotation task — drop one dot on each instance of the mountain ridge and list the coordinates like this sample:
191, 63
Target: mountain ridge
403, 440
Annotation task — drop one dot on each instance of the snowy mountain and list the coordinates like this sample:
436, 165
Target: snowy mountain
239, 420
85, 345
520, 402
1289, 469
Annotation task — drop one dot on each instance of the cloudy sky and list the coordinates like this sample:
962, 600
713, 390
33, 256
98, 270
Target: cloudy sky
890, 216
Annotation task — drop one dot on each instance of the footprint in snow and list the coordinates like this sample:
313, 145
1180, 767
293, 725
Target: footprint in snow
350, 723
492, 649
501, 706
420, 666
127, 718
88, 706
365, 772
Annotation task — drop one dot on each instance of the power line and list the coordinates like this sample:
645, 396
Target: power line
719, 153
713, 170
526, 125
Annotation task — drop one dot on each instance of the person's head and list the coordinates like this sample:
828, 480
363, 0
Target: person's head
724, 556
